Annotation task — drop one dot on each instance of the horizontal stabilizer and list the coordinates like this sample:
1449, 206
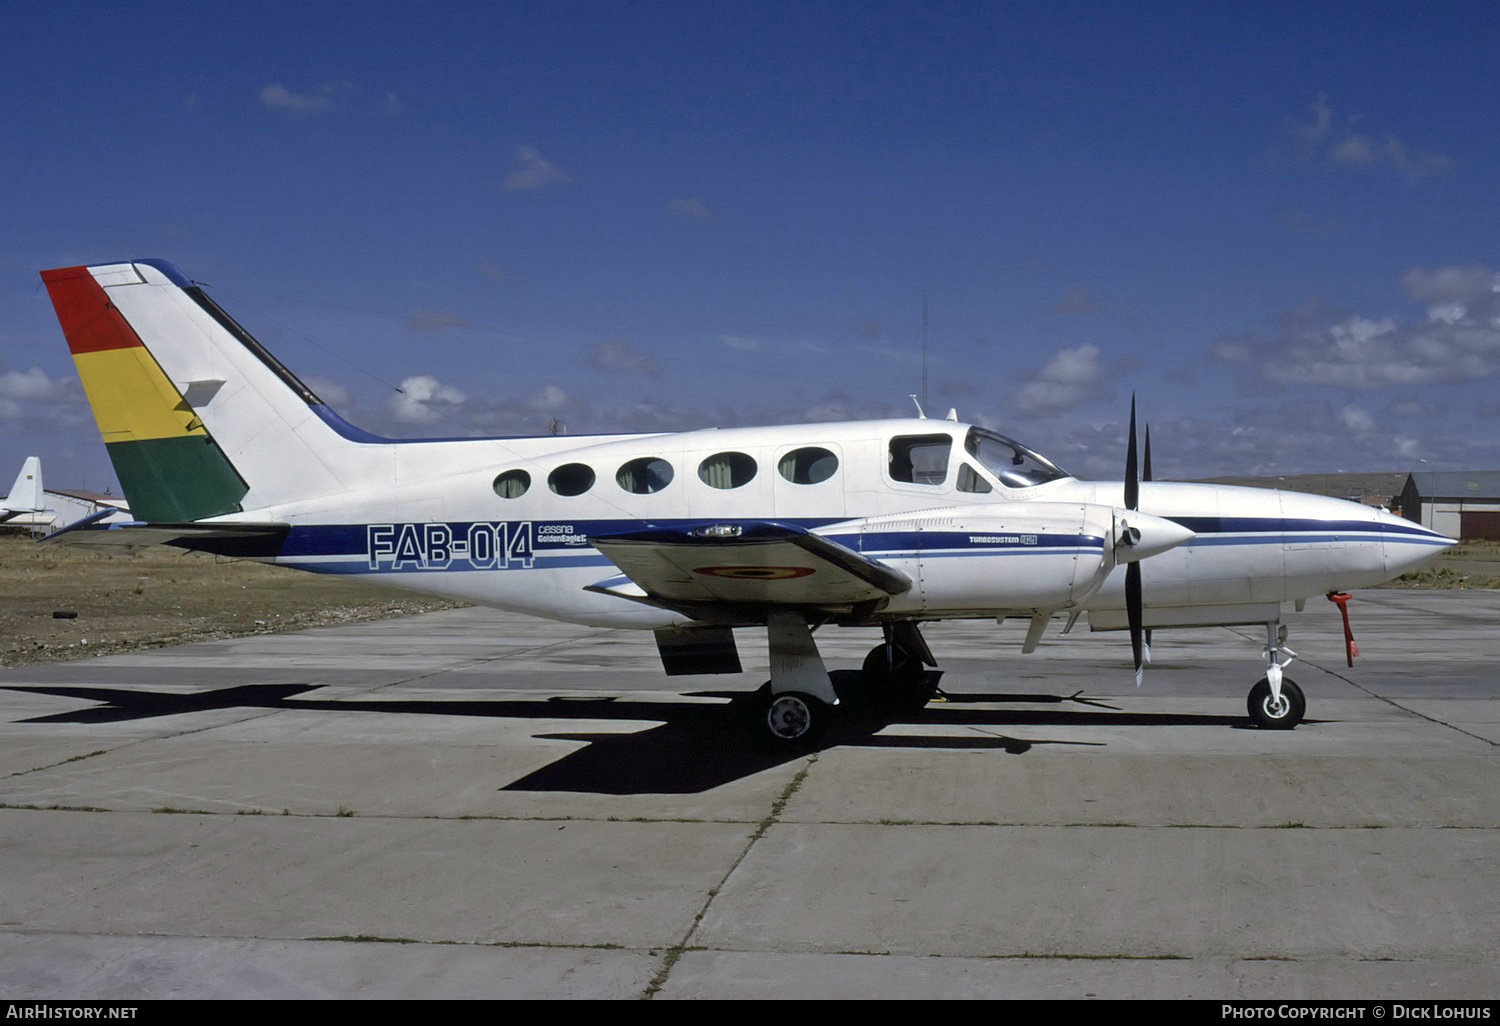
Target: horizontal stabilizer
746, 567
246, 540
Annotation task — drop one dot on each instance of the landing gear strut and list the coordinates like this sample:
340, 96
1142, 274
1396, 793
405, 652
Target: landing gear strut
801, 701
1276, 702
897, 667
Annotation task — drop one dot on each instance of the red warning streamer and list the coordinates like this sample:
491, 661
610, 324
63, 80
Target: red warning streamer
1341, 599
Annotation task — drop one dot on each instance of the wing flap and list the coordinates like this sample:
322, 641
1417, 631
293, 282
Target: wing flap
759, 565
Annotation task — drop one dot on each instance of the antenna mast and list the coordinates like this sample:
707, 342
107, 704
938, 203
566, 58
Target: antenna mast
924, 350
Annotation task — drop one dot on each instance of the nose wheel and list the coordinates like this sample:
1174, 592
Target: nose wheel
1276, 712
1276, 702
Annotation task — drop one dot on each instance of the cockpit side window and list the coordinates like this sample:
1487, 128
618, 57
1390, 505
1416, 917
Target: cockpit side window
920, 459
970, 480
1015, 465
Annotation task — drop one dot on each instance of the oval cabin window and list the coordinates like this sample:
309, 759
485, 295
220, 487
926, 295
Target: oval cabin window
809, 465
571, 479
512, 484
645, 475
727, 470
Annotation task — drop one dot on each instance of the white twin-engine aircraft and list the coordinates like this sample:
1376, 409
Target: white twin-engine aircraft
887, 523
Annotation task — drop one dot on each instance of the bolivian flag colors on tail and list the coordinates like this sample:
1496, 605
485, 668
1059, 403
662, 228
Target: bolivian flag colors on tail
172, 471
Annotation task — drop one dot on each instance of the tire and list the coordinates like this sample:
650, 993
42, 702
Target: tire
907, 685
907, 668
1269, 717
795, 719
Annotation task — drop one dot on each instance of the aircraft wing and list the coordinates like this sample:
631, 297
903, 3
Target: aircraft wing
233, 539
743, 571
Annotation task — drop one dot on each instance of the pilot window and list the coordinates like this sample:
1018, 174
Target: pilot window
1015, 465
969, 480
920, 459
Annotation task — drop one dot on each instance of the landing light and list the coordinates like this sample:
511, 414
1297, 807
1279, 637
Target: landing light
719, 531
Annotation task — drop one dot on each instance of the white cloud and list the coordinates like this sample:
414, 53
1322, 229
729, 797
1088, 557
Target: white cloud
532, 171
28, 384
621, 357
423, 399
1077, 300
278, 97
687, 208
34, 399
1338, 141
1070, 377
1356, 419
1458, 340
435, 320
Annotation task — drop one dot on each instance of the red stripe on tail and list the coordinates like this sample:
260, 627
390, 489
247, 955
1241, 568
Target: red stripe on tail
89, 320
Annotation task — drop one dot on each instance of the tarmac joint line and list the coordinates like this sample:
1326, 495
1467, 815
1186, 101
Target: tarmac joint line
676, 951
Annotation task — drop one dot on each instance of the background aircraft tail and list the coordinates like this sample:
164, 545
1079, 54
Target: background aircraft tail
25, 496
199, 420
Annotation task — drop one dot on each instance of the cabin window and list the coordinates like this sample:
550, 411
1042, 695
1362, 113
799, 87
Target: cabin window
810, 465
920, 459
727, 470
571, 479
645, 475
512, 484
969, 480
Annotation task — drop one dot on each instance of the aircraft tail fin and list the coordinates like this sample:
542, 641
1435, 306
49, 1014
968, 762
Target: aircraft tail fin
199, 420
25, 496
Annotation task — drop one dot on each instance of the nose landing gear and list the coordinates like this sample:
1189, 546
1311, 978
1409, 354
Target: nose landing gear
1276, 702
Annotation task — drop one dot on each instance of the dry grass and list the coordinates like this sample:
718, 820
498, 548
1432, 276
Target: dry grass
164, 596
1470, 564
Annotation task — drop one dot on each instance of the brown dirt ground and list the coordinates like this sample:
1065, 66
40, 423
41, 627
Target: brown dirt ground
165, 596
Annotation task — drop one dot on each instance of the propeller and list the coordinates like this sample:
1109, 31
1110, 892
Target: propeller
1146, 476
1133, 609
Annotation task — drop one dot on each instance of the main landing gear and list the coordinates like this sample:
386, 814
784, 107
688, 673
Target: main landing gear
1276, 702
801, 703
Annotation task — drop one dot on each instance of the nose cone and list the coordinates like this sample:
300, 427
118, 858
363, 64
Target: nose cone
1408, 546
1138, 535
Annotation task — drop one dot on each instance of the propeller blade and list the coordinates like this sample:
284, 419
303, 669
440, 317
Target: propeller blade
1132, 480
1134, 613
1146, 476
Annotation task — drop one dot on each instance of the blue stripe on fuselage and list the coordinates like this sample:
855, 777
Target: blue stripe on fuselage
542, 544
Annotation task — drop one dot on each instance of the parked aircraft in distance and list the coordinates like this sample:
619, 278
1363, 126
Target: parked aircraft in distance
887, 524
40, 510
25, 496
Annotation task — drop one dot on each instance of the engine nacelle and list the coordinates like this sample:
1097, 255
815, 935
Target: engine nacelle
1009, 558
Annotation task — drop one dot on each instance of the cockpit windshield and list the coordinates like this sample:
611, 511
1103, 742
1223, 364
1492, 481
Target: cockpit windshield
1015, 465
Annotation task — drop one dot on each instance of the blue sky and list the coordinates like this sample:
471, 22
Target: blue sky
1276, 223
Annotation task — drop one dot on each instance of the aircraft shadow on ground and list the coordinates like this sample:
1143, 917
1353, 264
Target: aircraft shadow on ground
696, 745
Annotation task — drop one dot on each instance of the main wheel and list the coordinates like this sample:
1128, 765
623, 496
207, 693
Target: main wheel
1269, 715
903, 668
904, 680
795, 718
